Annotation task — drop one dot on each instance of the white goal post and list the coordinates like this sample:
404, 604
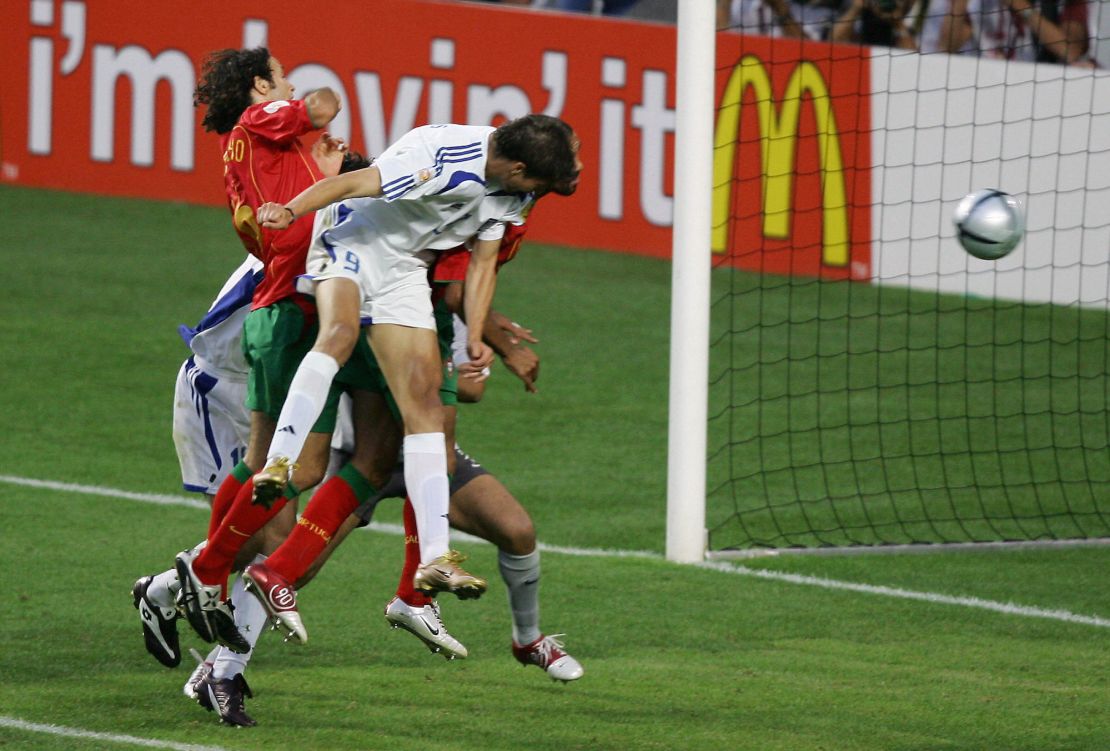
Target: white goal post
935, 434
689, 371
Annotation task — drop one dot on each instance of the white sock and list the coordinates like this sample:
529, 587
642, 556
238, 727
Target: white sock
522, 576
307, 395
426, 480
250, 619
165, 586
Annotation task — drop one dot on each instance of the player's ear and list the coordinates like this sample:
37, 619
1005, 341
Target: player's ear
261, 85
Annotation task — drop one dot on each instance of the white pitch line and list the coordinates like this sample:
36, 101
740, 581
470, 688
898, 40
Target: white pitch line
130, 740
909, 594
800, 579
163, 500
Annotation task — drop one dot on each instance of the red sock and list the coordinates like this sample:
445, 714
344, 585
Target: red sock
329, 507
405, 589
222, 501
242, 520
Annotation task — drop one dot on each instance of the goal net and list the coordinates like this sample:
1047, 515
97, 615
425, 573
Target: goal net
871, 383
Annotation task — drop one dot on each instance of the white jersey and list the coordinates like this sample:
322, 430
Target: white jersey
435, 194
210, 422
216, 340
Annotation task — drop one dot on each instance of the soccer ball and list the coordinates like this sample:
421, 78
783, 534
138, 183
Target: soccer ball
989, 223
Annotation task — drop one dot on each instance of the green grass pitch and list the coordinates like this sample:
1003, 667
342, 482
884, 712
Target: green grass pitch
676, 657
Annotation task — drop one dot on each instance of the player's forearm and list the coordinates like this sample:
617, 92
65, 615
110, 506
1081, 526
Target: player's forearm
496, 333
481, 280
357, 184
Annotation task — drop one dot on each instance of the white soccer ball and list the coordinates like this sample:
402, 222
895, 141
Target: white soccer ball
989, 223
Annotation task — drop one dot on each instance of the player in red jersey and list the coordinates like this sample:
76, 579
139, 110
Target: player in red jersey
436, 187
249, 104
480, 504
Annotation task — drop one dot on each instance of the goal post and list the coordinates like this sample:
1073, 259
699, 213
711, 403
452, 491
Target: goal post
689, 350
843, 375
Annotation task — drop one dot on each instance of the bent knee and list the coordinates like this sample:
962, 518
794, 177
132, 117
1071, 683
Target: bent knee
519, 536
338, 339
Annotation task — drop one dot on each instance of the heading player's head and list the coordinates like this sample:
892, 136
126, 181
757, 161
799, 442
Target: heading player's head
233, 80
569, 184
535, 152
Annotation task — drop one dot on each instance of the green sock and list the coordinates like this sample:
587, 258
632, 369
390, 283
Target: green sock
361, 486
241, 472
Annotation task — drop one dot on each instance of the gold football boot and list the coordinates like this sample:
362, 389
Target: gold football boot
444, 575
269, 484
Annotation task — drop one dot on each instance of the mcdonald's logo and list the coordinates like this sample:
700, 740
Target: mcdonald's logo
779, 147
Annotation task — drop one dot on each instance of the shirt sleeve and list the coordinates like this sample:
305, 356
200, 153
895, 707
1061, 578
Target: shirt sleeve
405, 167
452, 264
281, 121
491, 230
419, 164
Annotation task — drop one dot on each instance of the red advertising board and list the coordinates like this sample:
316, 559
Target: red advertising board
97, 97
792, 182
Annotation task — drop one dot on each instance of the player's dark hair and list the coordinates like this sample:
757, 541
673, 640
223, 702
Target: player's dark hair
352, 160
225, 85
542, 142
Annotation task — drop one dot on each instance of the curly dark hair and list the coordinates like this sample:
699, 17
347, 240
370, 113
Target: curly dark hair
542, 142
225, 85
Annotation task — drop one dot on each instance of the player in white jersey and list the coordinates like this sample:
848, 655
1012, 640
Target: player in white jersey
210, 431
436, 188
210, 426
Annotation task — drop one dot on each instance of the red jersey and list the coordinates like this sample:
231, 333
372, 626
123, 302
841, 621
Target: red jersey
451, 265
264, 160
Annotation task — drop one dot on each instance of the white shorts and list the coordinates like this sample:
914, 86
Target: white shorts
211, 427
393, 283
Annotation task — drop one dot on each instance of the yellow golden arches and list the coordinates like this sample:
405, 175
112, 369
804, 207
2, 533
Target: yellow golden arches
778, 147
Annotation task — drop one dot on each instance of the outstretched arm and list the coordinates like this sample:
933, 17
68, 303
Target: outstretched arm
363, 182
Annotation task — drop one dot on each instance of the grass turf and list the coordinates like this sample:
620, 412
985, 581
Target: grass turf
676, 657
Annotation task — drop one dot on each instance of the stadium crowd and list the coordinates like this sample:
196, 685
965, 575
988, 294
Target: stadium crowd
1059, 31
